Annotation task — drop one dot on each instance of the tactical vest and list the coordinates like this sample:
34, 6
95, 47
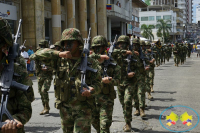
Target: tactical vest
67, 85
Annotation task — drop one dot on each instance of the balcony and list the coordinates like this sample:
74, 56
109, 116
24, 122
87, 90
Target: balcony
119, 12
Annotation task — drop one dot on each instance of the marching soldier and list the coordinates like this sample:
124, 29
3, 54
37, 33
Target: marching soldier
19, 102
176, 52
102, 119
75, 106
44, 74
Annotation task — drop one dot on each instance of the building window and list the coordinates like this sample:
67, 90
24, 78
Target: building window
167, 17
144, 18
158, 17
62, 2
133, 18
169, 25
151, 18
47, 25
136, 19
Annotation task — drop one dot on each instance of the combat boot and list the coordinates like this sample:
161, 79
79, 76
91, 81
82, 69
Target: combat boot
41, 113
127, 127
152, 91
175, 64
46, 109
142, 114
137, 112
149, 96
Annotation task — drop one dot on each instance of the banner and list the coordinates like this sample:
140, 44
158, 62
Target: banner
8, 11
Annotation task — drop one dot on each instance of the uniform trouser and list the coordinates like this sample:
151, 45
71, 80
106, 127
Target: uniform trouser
158, 60
125, 94
176, 59
182, 58
151, 75
139, 96
189, 53
44, 84
76, 118
102, 114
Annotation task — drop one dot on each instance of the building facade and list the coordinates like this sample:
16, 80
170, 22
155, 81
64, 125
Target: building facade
189, 16
198, 13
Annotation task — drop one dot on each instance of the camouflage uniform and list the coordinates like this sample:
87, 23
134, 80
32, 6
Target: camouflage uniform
189, 49
19, 102
167, 52
157, 56
44, 78
75, 109
102, 115
127, 87
176, 55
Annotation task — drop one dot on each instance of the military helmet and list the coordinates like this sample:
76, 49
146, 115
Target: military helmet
124, 39
5, 32
72, 34
99, 41
58, 43
44, 43
142, 43
136, 41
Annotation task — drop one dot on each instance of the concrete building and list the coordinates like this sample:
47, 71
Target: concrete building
137, 4
189, 16
167, 10
198, 13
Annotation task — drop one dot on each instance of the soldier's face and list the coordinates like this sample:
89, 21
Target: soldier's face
99, 50
70, 45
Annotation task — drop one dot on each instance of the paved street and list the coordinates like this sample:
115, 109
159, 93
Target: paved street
173, 86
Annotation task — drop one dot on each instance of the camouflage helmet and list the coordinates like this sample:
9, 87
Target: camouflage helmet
44, 43
72, 34
99, 41
136, 41
123, 38
142, 43
58, 43
5, 32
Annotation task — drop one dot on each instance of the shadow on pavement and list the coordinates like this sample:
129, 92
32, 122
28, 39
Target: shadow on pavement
164, 99
52, 114
156, 107
150, 131
171, 92
41, 129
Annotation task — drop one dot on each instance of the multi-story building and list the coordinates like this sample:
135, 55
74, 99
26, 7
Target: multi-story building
189, 16
137, 4
198, 13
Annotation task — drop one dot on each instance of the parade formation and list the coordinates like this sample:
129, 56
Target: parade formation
86, 71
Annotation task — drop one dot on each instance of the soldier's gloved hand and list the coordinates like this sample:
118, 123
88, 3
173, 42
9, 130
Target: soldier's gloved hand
11, 126
136, 52
152, 61
106, 80
65, 54
146, 68
86, 92
128, 52
131, 74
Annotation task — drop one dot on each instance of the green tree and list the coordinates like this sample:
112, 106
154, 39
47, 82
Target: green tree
163, 29
147, 31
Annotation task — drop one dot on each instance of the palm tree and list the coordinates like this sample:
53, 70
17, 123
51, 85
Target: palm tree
163, 29
147, 31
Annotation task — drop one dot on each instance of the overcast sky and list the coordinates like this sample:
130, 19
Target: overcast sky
195, 3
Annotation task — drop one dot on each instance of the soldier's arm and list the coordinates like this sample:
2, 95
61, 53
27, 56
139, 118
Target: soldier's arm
96, 78
24, 109
95, 56
117, 76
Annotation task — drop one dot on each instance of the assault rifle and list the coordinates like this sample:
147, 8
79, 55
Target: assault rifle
108, 62
151, 54
130, 57
142, 57
84, 63
7, 81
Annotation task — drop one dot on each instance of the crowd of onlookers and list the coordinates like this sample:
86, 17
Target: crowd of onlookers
29, 63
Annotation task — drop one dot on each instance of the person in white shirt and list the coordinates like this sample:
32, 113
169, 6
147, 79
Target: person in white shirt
24, 54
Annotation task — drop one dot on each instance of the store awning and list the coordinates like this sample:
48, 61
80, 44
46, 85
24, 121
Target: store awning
138, 35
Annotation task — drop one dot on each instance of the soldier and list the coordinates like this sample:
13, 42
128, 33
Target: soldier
181, 53
58, 46
44, 75
189, 49
19, 104
163, 54
102, 119
150, 73
176, 50
167, 52
75, 107
127, 88
139, 96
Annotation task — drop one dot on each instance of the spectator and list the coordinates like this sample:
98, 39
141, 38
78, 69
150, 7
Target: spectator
31, 65
117, 3
24, 54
